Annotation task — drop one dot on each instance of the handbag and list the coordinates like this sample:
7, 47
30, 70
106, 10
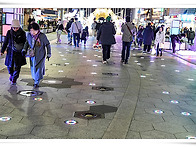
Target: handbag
31, 51
18, 46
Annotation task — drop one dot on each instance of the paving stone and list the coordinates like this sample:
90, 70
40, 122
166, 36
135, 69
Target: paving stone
5, 110
133, 135
3, 137
180, 120
15, 129
169, 127
49, 131
184, 135
190, 128
148, 118
156, 135
140, 126
27, 136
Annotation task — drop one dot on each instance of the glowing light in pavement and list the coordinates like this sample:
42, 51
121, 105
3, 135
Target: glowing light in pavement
60, 52
52, 82
84, 56
165, 92
158, 111
162, 65
80, 53
88, 60
142, 57
64, 59
67, 63
162, 59
186, 113
93, 73
95, 55
71, 122
177, 71
60, 70
191, 79
62, 55
5, 118
92, 84
37, 99
99, 56
142, 76
136, 61
133, 54
152, 61
174, 101
90, 102
94, 65
190, 137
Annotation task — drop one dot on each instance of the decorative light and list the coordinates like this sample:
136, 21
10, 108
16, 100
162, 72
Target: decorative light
37, 99
60, 52
162, 59
134, 54
62, 55
5, 118
71, 122
60, 70
191, 79
94, 65
64, 59
136, 61
90, 102
186, 113
162, 65
92, 84
158, 111
142, 57
80, 53
174, 101
84, 56
190, 137
88, 60
165, 92
93, 73
67, 63
177, 71
142, 76
152, 61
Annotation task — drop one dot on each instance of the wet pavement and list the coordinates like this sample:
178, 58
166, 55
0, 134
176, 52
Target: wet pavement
81, 98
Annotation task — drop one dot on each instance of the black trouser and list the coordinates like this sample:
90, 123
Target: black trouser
190, 40
148, 47
106, 52
14, 70
126, 51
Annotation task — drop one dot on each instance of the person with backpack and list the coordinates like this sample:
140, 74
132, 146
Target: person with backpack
67, 28
76, 28
128, 30
191, 35
14, 43
59, 29
84, 35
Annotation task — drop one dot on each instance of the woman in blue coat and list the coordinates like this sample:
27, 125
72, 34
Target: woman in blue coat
148, 37
14, 42
105, 36
37, 63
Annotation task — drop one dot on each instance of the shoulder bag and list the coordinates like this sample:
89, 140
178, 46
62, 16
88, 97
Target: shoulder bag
77, 28
130, 32
31, 51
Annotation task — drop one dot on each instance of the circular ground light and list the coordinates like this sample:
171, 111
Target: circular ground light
5, 118
162, 59
30, 93
93, 73
158, 111
186, 113
190, 137
142, 57
191, 79
66, 63
151, 61
92, 84
174, 101
94, 65
90, 102
162, 65
177, 71
136, 61
37, 99
64, 59
165, 92
71, 122
60, 70
142, 76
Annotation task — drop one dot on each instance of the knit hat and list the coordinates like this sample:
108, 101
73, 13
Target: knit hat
15, 23
108, 18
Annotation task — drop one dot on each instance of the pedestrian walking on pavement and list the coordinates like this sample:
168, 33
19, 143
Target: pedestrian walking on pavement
140, 36
75, 30
39, 43
159, 41
93, 27
191, 36
106, 38
84, 35
67, 28
59, 29
128, 30
14, 43
148, 37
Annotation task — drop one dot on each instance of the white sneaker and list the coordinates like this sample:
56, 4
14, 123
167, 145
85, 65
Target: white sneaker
104, 62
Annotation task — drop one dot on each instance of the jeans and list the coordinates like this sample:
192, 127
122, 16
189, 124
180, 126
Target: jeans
126, 51
158, 49
69, 36
106, 52
148, 47
76, 39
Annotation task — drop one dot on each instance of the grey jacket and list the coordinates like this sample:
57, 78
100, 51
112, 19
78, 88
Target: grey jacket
127, 37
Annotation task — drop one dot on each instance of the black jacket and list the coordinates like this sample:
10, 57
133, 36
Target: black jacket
106, 34
18, 37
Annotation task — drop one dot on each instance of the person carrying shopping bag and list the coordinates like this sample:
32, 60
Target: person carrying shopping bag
14, 42
37, 44
159, 41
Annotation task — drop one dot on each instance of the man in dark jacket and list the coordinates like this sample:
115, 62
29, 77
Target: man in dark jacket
68, 26
14, 42
148, 37
105, 36
191, 35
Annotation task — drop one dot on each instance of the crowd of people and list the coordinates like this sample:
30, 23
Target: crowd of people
36, 45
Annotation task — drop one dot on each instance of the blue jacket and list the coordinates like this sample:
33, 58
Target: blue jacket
148, 35
106, 34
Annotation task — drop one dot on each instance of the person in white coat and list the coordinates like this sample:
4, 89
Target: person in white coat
76, 29
159, 41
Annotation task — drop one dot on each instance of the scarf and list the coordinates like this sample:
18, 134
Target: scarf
35, 36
